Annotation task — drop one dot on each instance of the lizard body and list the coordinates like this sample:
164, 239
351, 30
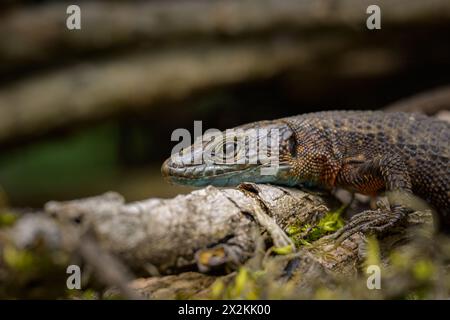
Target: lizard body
367, 152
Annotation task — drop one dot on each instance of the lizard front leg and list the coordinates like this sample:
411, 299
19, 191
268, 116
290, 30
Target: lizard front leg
385, 173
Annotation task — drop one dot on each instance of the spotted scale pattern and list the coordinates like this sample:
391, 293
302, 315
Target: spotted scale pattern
371, 151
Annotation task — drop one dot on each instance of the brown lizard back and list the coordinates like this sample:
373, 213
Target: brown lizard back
416, 142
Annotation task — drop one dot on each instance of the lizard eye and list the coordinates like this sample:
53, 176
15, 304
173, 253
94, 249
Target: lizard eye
225, 152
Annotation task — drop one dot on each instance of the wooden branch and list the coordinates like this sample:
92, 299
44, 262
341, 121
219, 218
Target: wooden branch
171, 234
429, 102
208, 229
87, 92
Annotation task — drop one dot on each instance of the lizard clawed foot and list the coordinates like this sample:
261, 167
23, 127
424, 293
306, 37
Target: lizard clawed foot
372, 221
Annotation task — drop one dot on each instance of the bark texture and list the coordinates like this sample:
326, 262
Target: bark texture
208, 230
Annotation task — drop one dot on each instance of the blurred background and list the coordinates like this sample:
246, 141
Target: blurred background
91, 110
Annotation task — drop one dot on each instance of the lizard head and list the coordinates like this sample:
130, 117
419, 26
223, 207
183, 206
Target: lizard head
260, 152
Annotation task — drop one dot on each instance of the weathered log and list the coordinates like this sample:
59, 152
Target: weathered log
429, 102
90, 91
171, 234
208, 229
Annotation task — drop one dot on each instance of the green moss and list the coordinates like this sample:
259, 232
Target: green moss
293, 230
399, 260
418, 294
217, 289
331, 222
88, 294
27, 264
373, 256
240, 282
7, 219
19, 260
244, 286
324, 293
283, 250
423, 270
306, 234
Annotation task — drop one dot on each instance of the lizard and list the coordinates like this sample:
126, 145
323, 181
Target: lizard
402, 155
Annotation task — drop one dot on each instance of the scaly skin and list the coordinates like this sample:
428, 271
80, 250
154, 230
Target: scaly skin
368, 152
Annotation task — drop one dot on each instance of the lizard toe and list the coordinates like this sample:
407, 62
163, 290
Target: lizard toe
371, 222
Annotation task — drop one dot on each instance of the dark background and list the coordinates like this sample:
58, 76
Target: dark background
222, 62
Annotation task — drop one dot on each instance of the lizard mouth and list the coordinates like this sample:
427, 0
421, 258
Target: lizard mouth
173, 172
203, 175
